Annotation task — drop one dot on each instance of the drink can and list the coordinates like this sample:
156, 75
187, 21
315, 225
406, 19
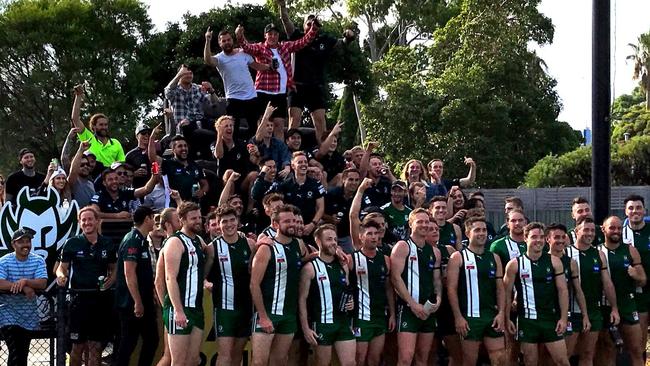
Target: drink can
101, 280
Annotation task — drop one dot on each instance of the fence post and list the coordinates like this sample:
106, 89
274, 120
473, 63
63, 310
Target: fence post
61, 338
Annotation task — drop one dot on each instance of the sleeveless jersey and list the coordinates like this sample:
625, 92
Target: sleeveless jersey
507, 249
418, 272
641, 241
589, 274
536, 290
477, 286
618, 261
270, 232
231, 274
190, 272
568, 274
369, 282
325, 292
385, 249
280, 283
448, 235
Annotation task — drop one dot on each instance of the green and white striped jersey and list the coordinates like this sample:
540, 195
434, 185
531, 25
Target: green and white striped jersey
369, 280
325, 292
280, 283
231, 275
477, 286
418, 272
537, 296
190, 272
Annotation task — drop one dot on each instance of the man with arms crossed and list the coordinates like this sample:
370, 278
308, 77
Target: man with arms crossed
415, 276
230, 275
275, 275
476, 296
373, 295
323, 283
594, 278
538, 278
185, 264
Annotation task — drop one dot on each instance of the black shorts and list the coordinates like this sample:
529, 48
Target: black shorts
244, 109
310, 96
91, 317
279, 101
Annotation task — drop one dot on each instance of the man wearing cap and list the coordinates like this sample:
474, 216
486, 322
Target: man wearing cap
26, 177
21, 273
309, 78
134, 291
88, 262
272, 85
233, 66
397, 213
107, 150
138, 157
113, 202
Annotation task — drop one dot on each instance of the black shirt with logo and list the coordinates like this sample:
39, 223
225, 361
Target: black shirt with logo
181, 177
138, 158
87, 261
311, 60
336, 205
17, 180
108, 205
134, 248
302, 196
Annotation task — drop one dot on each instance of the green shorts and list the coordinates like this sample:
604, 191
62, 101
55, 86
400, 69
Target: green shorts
642, 302
232, 323
627, 317
480, 328
595, 318
366, 330
328, 334
282, 324
537, 331
408, 322
194, 317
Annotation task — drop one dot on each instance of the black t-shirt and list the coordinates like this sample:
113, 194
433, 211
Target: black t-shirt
138, 158
337, 206
134, 248
181, 177
17, 180
302, 196
377, 195
87, 261
108, 205
311, 60
236, 159
332, 164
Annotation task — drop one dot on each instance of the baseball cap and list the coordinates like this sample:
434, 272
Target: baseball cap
22, 232
141, 127
293, 131
271, 27
398, 183
23, 152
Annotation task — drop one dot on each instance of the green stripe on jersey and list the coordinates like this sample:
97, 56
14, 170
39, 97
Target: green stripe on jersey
280, 283
325, 291
418, 272
190, 272
230, 274
536, 290
477, 286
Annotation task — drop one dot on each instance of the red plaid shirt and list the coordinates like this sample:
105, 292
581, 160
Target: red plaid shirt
270, 80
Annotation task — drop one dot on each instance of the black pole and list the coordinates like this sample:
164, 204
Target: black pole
61, 336
600, 109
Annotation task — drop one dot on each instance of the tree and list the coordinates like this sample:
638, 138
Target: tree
641, 59
47, 46
629, 116
477, 91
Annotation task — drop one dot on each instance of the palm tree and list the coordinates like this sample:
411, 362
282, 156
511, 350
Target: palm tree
641, 58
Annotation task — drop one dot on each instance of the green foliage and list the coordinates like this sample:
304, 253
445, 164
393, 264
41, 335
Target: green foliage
629, 115
630, 165
477, 91
47, 46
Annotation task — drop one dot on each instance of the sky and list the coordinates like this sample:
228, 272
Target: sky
568, 58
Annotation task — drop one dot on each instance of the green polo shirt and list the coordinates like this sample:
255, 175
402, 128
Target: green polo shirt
134, 248
87, 261
106, 154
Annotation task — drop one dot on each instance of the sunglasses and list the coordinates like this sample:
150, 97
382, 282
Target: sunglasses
83, 165
121, 174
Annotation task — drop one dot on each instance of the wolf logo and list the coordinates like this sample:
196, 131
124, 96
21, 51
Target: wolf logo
52, 223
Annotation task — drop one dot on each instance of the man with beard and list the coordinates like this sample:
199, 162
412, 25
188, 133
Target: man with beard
303, 192
397, 213
580, 208
79, 178
232, 64
183, 175
337, 207
134, 292
324, 282
84, 259
415, 274
626, 270
514, 244
373, 294
637, 234
450, 233
26, 177
113, 202
476, 296
275, 274
542, 299
594, 281
510, 203
138, 157
185, 266
107, 150
231, 297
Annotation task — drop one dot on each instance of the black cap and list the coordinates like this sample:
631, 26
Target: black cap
271, 27
398, 183
141, 127
293, 131
23, 152
22, 232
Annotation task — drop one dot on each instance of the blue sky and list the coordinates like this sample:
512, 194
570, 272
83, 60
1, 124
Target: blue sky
568, 58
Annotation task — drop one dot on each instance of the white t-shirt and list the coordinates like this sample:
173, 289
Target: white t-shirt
236, 76
283, 74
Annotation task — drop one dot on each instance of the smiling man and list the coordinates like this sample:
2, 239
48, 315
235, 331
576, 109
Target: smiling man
26, 176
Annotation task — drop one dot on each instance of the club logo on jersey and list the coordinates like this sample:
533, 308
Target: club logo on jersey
492, 274
322, 276
525, 273
469, 265
104, 254
361, 270
52, 223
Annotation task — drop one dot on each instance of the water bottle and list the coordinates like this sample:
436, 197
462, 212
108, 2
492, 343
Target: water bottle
101, 280
616, 336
